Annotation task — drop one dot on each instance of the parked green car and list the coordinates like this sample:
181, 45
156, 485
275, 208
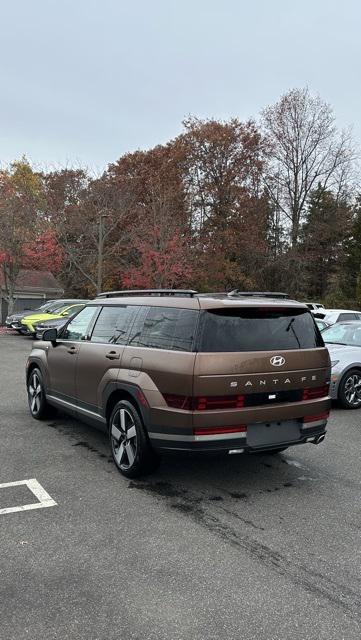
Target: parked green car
63, 310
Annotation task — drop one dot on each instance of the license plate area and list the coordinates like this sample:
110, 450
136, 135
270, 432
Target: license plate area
264, 434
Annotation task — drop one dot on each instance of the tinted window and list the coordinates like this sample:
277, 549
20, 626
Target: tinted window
77, 328
136, 329
347, 316
113, 324
258, 330
165, 328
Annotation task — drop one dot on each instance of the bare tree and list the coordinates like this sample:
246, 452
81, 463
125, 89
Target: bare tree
89, 217
305, 150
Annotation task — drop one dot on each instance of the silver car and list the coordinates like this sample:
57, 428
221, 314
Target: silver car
331, 316
343, 341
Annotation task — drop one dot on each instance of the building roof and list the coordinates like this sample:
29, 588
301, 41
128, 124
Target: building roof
32, 281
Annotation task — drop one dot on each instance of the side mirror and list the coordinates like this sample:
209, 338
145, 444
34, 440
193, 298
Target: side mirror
50, 335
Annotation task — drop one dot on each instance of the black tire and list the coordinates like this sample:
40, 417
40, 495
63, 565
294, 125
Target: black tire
39, 407
131, 450
349, 391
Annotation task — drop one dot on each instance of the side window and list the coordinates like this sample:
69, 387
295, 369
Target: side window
113, 324
78, 327
124, 324
347, 316
166, 328
137, 327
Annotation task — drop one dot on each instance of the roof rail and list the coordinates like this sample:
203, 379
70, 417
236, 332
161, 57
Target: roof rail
147, 292
258, 294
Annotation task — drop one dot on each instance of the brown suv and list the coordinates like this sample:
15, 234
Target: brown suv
175, 369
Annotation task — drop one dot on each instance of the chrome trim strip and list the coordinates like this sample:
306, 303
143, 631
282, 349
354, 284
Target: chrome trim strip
77, 408
183, 438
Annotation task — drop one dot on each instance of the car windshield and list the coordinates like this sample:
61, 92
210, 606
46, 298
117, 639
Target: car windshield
61, 309
346, 334
52, 307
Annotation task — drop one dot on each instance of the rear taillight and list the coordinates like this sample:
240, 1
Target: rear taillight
204, 403
315, 392
212, 431
317, 418
178, 402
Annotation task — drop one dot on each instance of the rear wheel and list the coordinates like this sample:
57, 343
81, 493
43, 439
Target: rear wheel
130, 446
40, 409
350, 390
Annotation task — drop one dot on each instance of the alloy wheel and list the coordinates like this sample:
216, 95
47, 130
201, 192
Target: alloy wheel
124, 438
35, 393
352, 389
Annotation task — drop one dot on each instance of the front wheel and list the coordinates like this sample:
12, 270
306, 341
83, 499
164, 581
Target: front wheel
131, 449
349, 392
39, 407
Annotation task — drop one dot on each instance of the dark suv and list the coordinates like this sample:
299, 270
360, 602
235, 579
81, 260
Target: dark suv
174, 369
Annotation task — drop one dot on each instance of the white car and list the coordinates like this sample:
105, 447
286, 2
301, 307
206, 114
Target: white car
314, 306
331, 316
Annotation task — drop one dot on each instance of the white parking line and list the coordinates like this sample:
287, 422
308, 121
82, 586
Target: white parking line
44, 500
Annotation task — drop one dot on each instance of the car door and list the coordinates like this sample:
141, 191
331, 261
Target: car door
99, 358
62, 358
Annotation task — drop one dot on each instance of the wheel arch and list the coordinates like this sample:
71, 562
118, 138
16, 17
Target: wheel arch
355, 366
132, 394
34, 364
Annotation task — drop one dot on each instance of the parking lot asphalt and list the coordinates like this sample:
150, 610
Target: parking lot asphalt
237, 547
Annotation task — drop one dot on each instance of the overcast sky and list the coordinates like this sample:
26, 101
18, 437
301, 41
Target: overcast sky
84, 81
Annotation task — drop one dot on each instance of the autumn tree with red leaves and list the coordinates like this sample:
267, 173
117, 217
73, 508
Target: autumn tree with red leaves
159, 249
21, 204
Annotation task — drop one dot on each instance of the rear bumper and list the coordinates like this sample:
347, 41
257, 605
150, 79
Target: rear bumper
258, 424
309, 432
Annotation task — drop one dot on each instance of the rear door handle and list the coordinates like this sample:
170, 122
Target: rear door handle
112, 355
72, 350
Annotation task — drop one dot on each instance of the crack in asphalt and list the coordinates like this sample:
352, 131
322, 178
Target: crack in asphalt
195, 506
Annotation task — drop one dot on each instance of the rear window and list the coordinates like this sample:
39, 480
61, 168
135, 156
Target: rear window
262, 329
347, 316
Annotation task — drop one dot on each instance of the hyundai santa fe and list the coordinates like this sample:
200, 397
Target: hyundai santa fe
179, 370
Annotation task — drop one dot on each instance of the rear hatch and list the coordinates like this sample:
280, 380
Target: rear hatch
258, 358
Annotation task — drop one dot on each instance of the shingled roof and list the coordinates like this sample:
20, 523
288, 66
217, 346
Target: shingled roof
32, 281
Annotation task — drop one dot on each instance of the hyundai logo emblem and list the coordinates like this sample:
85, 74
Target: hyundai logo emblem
277, 361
